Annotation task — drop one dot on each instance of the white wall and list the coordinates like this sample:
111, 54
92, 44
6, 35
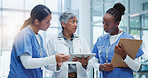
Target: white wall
0, 41
84, 19
85, 30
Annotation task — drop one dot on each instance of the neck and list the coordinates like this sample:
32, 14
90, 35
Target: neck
35, 29
116, 32
67, 35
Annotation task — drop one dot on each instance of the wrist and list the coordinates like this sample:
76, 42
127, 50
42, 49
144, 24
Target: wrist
84, 63
84, 66
100, 67
124, 57
56, 58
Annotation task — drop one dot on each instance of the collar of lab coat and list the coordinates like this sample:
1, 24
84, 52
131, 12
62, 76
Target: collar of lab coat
60, 35
61, 38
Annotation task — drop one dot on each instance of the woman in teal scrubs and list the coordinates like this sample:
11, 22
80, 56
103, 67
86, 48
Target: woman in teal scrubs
107, 45
28, 56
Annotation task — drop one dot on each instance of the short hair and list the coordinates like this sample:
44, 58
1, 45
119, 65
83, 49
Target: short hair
117, 11
65, 16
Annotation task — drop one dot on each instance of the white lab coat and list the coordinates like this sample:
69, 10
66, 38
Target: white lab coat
57, 44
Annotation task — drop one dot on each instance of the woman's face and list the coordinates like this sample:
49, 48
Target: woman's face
109, 24
44, 24
71, 25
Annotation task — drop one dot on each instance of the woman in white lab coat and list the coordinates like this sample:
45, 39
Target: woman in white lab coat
67, 42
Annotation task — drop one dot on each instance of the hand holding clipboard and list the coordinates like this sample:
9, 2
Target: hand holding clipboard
131, 47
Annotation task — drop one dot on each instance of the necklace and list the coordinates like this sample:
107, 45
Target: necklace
107, 50
39, 41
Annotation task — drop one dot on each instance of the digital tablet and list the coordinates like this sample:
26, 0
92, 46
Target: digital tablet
80, 55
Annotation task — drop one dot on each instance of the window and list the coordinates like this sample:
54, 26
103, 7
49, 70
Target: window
142, 5
12, 16
13, 4
53, 5
124, 24
97, 31
97, 13
29, 4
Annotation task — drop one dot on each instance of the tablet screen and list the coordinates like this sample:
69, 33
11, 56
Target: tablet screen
80, 55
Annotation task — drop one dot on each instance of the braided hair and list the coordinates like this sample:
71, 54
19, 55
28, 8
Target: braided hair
117, 11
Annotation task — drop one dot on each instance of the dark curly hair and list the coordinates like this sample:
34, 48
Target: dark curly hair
117, 11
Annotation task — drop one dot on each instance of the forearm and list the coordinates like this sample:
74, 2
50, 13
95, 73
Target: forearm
32, 63
133, 64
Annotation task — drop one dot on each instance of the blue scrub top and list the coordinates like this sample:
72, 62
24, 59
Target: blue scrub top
102, 44
25, 42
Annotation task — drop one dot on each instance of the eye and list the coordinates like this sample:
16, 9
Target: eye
107, 24
73, 21
102, 22
77, 21
47, 21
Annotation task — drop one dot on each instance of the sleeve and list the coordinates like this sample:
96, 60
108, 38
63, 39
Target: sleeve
49, 52
140, 52
133, 64
23, 44
85, 45
87, 50
49, 47
95, 49
94, 62
32, 63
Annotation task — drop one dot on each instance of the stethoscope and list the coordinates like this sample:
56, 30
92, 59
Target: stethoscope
72, 47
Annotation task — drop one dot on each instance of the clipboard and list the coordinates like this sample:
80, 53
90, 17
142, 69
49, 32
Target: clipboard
131, 47
91, 55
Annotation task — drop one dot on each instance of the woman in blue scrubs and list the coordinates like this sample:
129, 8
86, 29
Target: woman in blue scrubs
107, 45
28, 56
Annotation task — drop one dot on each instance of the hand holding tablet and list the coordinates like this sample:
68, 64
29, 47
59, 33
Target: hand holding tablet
73, 56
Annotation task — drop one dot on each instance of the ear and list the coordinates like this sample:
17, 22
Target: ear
63, 24
117, 24
36, 21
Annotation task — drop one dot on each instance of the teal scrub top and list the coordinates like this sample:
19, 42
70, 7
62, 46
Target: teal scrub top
25, 42
102, 44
